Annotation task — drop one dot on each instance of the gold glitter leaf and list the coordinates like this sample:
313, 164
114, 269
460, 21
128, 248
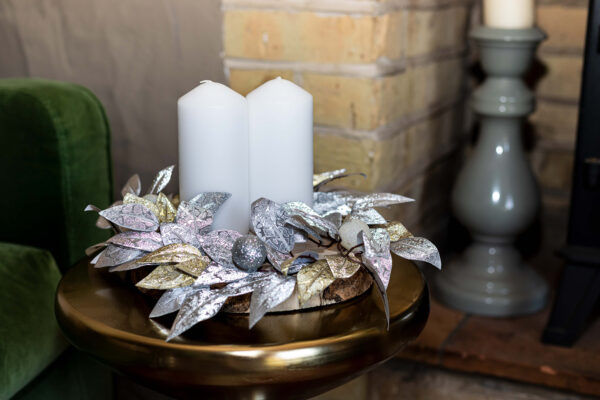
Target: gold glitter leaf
313, 279
133, 199
342, 267
195, 266
285, 266
165, 277
172, 254
396, 230
166, 210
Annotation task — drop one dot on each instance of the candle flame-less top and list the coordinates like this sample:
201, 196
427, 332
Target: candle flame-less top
509, 14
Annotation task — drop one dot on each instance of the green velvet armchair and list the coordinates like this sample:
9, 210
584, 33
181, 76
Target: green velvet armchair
54, 160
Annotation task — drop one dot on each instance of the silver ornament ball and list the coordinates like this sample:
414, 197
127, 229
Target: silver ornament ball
248, 253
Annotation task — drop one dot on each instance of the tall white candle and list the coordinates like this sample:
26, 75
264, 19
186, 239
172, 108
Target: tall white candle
509, 14
213, 150
281, 142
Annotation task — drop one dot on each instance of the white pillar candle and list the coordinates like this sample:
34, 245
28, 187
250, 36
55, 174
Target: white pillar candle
213, 150
281, 142
508, 14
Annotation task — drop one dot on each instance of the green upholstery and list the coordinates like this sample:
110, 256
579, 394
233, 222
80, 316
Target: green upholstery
73, 376
54, 160
30, 337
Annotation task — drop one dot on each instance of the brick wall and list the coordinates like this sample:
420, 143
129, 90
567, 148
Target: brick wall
558, 80
388, 84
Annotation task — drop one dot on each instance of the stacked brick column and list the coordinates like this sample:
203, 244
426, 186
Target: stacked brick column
557, 90
387, 80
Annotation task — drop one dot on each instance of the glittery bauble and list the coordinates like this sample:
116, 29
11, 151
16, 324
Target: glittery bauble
248, 253
349, 233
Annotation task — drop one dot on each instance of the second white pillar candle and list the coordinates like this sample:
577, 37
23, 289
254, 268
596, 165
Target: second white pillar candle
281, 142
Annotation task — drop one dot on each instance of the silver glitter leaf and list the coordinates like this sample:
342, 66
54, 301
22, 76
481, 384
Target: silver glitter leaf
171, 254
335, 218
196, 307
310, 217
161, 180
165, 277
210, 201
325, 177
276, 258
172, 299
95, 259
329, 202
313, 279
382, 288
268, 221
133, 186
247, 284
377, 253
302, 260
176, 233
194, 216
304, 231
419, 249
378, 200
369, 216
342, 267
93, 249
269, 295
215, 273
147, 241
294, 265
91, 207
132, 216
102, 222
116, 255
218, 246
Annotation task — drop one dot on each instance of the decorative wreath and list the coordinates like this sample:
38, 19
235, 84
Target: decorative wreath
199, 269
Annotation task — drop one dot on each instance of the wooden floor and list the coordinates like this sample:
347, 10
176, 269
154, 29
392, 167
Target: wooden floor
508, 348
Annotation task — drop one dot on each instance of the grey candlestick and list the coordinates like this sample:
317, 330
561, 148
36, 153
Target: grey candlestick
495, 195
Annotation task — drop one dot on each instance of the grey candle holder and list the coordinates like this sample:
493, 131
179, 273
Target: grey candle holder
496, 195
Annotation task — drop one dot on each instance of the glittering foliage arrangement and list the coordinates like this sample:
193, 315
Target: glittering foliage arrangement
199, 269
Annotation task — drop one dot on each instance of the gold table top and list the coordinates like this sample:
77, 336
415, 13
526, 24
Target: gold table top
286, 355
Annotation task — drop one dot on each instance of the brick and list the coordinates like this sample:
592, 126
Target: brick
387, 163
429, 31
555, 122
434, 83
565, 26
553, 169
431, 189
562, 78
244, 81
311, 37
369, 103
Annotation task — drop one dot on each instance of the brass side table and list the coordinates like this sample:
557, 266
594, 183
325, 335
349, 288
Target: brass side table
293, 355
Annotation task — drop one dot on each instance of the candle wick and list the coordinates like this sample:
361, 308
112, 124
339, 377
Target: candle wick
205, 81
